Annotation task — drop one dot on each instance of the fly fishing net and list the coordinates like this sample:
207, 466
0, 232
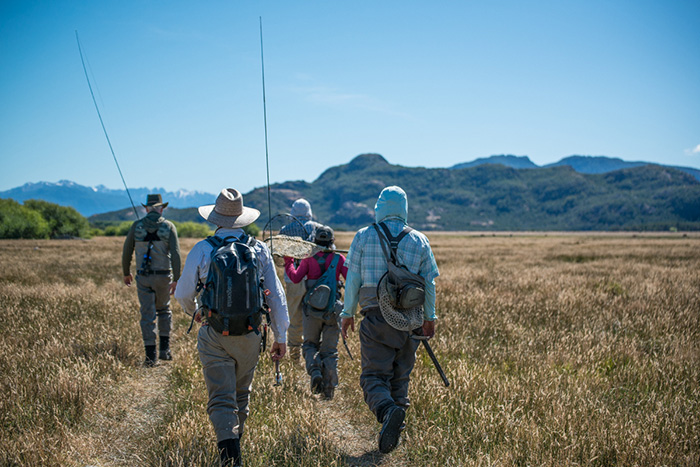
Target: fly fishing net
294, 247
403, 320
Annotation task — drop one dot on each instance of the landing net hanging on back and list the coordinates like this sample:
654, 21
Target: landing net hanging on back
403, 314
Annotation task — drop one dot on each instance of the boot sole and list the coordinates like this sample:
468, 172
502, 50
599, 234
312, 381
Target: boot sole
391, 430
317, 384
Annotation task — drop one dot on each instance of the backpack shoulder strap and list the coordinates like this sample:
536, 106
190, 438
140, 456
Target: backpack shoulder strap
215, 241
390, 240
394, 241
334, 261
384, 242
322, 262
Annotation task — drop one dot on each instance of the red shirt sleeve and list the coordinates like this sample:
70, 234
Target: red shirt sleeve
297, 274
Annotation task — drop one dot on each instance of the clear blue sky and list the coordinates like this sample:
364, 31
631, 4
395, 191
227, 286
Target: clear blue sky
429, 83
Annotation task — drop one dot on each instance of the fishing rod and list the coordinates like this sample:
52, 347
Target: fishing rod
80, 49
267, 156
278, 373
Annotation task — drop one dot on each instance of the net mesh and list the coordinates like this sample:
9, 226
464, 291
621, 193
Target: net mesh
403, 320
294, 247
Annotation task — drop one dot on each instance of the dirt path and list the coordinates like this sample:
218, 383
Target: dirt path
135, 407
357, 441
132, 410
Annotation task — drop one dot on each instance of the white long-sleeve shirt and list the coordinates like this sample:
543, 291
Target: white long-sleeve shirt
197, 267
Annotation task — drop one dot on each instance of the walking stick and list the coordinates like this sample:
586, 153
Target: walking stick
424, 340
345, 343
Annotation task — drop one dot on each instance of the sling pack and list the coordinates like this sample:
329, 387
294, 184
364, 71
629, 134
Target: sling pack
322, 295
405, 289
233, 292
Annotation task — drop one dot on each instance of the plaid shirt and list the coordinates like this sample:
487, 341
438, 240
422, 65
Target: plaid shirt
295, 229
367, 259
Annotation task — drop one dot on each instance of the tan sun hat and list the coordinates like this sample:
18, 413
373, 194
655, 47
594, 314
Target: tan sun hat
154, 200
229, 210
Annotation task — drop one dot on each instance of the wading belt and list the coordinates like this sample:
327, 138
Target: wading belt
157, 272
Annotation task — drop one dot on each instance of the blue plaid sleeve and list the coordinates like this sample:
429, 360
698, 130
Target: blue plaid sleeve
367, 258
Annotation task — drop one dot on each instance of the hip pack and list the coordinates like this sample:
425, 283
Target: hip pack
404, 289
233, 292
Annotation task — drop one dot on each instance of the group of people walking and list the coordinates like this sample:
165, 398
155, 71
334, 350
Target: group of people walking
229, 353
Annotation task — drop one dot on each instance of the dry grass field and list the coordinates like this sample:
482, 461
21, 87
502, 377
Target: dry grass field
562, 349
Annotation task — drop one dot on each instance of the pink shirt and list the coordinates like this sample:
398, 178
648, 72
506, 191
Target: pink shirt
310, 268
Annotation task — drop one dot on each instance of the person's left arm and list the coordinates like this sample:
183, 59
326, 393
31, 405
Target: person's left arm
276, 299
186, 290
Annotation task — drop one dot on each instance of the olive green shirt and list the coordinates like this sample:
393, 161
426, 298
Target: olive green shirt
165, 251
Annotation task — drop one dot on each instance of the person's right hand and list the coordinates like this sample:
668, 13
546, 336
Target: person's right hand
429, 328
128, 280
346, 323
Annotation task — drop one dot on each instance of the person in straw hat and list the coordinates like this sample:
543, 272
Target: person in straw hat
229, 361
388, 353
154, 239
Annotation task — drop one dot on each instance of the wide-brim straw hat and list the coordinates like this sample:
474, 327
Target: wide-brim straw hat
154, 200
229, 211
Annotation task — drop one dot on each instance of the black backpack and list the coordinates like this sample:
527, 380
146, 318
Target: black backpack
233, 292
322, 295
405, 289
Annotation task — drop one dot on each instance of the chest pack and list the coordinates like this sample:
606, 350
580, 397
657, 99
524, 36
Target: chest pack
233, 295
322, 295
404, 289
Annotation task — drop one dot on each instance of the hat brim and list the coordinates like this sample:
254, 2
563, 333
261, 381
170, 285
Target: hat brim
165, 205
247, 217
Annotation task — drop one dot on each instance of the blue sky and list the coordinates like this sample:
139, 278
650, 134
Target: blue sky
424, 83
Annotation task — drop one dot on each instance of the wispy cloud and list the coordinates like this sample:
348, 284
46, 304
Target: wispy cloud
693, 151
323, 95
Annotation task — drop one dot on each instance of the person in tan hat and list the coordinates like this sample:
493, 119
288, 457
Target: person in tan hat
154, 239
229, 358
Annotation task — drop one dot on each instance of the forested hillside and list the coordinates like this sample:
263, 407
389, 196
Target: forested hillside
489, 197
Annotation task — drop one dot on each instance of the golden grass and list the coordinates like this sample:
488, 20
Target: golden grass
562, 349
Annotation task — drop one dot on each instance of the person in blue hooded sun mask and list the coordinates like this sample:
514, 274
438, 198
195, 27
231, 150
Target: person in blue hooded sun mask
388, 351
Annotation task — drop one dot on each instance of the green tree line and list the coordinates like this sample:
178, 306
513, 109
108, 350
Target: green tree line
36, 219
40, 219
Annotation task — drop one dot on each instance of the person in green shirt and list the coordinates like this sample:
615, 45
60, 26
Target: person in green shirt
155, 242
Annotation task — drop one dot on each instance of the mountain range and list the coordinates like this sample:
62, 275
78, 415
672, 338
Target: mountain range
100, 199
498, 193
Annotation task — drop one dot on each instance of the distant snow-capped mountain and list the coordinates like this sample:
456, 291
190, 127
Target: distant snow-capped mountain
94, 200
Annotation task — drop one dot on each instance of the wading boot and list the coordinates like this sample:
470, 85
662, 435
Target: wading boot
328, 392
150, 360
391, 429
165, 348
316, 382
230, 452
